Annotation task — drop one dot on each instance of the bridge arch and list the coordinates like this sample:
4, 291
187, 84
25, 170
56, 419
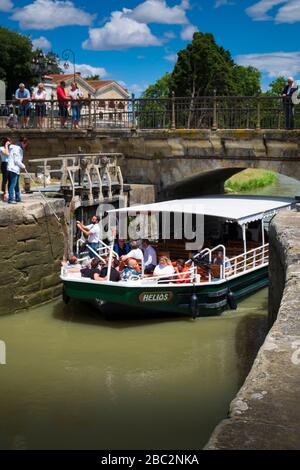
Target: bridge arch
204, 182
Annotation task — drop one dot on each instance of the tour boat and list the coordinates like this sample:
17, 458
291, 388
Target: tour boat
236, 226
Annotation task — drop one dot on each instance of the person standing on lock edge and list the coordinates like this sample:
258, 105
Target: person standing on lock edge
4, 152
288, 105
14, 166
62, 99
76, 102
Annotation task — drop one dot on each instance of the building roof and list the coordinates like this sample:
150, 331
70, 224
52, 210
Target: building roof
95, 84
56, 77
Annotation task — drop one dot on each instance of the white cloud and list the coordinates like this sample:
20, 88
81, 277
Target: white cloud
50, 14
187, 32
137, 88
220, 3
288, 11
41, 43
84, 69
273, 64
157, 11
171, 57
6, 5
169, 35
120, 32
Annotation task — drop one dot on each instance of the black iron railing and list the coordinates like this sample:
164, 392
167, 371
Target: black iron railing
206, 112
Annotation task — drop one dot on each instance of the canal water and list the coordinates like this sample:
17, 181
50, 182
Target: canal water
75, 380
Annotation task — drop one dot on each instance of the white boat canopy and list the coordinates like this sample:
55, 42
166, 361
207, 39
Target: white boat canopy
240, 209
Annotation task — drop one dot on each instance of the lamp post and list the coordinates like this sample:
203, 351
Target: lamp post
40, 65
66, 56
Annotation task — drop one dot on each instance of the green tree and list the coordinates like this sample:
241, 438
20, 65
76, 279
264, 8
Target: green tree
276, 87
247, 80
203, 67
43, 64
154, 108
160, 89
92, 77
15, 60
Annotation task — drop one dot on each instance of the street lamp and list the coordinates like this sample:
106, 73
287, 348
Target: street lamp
41, 65
66, 55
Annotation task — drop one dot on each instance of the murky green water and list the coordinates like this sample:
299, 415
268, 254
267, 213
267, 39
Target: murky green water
74, 380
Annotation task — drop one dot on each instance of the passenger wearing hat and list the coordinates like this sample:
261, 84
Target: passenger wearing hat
288, 105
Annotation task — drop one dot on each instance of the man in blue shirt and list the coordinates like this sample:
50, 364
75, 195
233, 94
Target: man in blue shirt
23, 100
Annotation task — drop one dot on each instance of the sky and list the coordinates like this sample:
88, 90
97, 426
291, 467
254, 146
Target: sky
135, 42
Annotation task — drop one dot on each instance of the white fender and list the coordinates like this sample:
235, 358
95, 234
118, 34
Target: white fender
295, 98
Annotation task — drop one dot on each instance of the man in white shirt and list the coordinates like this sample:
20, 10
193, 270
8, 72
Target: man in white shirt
150, 258
14, 166
135, 252
91, 231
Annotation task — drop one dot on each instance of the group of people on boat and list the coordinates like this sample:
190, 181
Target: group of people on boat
128, 268
133, 260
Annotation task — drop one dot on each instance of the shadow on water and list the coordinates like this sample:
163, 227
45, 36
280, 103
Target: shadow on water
111, 315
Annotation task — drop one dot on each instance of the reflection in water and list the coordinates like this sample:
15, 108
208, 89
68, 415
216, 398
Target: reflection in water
75, 380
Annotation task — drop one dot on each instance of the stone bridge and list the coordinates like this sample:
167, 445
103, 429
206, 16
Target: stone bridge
179, 163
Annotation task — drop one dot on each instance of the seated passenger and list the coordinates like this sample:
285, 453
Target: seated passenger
219, 260
91, 270
103, 275
150, 258
135, 252
72, 265
131, 270
182, 271
164, 268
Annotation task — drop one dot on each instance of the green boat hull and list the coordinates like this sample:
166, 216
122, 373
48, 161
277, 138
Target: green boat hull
200, 300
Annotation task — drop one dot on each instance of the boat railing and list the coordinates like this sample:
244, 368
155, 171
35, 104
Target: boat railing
209, 251
250, 259
184, 277
102, 250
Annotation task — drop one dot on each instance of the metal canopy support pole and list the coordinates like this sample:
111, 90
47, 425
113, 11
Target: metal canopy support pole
263, 241
111, 250
245, 245
262, 232
244, 237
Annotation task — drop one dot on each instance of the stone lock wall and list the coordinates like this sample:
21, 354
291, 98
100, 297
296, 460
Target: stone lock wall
265, 414
31, 248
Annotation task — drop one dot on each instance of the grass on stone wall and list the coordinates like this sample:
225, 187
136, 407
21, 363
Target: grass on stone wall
249, 179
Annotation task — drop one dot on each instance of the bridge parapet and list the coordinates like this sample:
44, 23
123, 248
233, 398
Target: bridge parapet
205, 112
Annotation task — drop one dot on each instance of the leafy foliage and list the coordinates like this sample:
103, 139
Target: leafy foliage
203, 67
92, 77
276, 87
160, 89
247, 80
15, 60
